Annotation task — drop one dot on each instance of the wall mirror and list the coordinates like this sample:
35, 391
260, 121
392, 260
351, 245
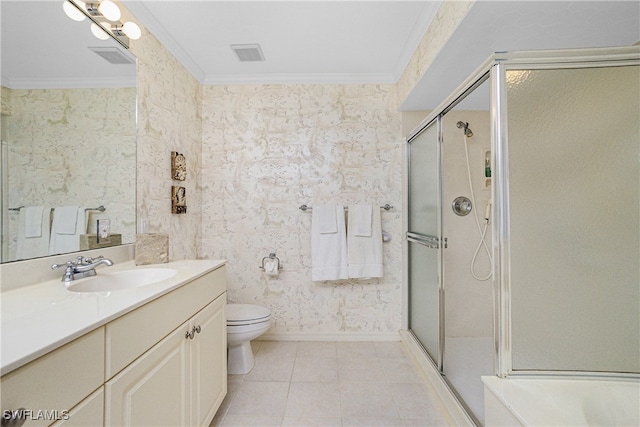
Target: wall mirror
68, 133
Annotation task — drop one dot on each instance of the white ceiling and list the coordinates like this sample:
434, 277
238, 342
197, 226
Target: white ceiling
314, 41
302, 41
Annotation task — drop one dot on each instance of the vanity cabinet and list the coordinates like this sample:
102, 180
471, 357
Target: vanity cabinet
181, 381
163, 363
56, 381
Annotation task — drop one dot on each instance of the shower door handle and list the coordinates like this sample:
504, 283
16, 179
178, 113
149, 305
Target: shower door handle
432, 242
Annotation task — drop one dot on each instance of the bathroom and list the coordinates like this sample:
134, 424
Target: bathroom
255, 153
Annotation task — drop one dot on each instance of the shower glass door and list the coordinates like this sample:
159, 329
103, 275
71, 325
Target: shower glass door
424, 240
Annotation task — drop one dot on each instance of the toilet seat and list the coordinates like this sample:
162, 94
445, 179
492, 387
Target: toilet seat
246, 314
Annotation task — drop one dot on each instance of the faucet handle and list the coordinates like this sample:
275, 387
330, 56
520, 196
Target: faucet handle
66, 264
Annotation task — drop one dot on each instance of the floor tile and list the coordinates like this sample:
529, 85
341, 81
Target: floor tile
366, 400
330, 384
317, 349
271, 368
313, 400
356, 350
401, 371
251, 420
322, 370
360, 370
260, 398
312, 422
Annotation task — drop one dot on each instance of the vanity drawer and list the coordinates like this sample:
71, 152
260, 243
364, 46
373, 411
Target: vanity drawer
131, 335
56, 381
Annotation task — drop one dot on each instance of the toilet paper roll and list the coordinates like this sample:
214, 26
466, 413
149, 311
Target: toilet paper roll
271, 267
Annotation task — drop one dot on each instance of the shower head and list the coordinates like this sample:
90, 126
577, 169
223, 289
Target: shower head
465, 126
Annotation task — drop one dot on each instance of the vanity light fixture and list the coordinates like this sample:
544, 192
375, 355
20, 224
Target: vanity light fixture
105, 17
101, 31
73, 12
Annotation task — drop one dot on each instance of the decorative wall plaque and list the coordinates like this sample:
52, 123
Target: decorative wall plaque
178, 166
178, 200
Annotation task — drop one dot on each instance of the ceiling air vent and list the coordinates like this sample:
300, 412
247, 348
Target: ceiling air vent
248, 52
113, 55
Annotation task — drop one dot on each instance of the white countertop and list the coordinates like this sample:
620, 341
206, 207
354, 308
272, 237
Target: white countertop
39, 318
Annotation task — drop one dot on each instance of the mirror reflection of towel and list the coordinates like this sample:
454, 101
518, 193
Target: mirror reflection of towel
69, 222
33, 232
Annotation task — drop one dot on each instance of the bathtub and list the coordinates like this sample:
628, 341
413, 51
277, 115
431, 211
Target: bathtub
561, 402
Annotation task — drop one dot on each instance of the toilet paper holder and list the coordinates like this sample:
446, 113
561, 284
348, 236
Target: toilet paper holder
272, 256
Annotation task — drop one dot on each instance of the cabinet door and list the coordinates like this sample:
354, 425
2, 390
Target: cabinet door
89, 412
208, 362
154, 389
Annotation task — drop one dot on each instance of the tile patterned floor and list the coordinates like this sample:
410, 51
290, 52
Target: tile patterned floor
330, 384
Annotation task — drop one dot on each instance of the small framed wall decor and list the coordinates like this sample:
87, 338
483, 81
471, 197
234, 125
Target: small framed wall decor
178, 166
178, 200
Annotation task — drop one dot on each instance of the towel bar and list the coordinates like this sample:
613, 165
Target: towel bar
100, 208
305, 208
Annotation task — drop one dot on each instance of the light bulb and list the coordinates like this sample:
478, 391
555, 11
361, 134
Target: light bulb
109, 10
132, 30
72, 12
99, 32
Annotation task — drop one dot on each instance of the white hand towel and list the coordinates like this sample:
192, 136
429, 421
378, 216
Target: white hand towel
365, 252
30, 247
326, 217
61, 240
360, 220
328, 250
65, 219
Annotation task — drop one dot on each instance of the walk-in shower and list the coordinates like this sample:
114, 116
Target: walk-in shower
556, 291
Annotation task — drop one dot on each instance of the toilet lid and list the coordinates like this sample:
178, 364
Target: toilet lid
246, 313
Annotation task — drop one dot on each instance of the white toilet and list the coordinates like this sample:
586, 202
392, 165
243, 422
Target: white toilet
244, 323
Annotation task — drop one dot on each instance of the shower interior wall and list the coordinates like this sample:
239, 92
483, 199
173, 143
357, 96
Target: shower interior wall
468, 302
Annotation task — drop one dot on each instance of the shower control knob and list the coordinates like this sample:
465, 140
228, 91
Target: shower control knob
461, 206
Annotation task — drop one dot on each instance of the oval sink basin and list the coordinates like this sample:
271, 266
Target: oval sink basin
122, 280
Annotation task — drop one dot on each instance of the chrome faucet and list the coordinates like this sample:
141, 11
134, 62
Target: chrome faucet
81, 267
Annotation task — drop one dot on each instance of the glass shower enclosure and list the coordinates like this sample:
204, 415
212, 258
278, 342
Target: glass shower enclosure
553, 170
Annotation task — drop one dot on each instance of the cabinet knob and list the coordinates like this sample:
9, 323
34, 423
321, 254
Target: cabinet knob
190, 334
13, 418
197, 329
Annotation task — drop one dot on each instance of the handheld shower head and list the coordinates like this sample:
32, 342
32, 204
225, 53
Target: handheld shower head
465, 126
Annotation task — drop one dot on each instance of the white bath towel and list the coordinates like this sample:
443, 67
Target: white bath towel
365, 252
328, 250
69, 222
33, 232
32, 221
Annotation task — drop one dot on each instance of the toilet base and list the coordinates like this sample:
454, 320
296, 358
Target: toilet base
240, 358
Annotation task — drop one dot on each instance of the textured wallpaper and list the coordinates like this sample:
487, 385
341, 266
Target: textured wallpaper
168, 120
268, 149
264, 150
447, 19
72, 146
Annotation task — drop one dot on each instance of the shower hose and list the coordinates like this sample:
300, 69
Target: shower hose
481, 230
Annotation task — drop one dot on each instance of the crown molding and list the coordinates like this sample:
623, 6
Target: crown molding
57, 83
251, 79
